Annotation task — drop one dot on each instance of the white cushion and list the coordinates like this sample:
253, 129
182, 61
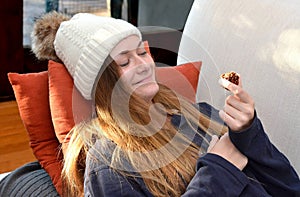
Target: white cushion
260, 39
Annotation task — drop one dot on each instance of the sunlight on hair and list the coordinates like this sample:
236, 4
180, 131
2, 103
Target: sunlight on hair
167, 153
155, 122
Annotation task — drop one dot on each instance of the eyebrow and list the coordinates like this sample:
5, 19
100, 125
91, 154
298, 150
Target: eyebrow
125, 52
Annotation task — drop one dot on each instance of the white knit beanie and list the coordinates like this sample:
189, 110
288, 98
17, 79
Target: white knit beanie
84, 42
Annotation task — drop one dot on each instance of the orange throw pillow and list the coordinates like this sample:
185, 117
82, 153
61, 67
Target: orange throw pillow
183, 79
31, 92
66, 103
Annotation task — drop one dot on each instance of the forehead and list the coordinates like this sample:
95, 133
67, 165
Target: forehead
127, 44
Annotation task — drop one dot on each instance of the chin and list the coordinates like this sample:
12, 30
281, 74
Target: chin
148, 91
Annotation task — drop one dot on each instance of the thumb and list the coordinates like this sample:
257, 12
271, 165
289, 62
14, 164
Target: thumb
212, 143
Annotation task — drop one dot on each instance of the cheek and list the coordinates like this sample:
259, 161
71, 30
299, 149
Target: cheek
126, 76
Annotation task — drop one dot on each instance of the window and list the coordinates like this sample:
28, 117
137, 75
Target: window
33, 9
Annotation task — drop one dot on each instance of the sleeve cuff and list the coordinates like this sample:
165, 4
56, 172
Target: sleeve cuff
243, 139
228, 167
230, 175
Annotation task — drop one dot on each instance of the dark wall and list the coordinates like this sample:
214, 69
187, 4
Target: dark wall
13, 56
11, 47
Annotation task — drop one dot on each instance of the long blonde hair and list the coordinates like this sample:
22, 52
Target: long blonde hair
167, 176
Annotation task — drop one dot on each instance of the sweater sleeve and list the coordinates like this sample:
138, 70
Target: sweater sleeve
214, 176
268, 164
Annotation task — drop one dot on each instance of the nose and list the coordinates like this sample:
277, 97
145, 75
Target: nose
141, 64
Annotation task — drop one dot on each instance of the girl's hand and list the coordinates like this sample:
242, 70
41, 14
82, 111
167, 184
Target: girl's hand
238, 112
224, 148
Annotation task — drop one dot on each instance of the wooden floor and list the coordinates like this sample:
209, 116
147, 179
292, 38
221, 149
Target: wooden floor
14, 141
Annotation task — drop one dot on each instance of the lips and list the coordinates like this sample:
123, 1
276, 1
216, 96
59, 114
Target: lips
145, 80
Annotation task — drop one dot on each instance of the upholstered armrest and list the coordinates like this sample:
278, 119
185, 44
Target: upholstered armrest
259, 39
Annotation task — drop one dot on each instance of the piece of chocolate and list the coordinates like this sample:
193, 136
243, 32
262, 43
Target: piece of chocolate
232, 76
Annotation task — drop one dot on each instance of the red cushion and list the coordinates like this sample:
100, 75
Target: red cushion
183, 79
66, 104
31, 92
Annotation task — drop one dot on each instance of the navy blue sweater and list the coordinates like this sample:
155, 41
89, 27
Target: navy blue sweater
268, 172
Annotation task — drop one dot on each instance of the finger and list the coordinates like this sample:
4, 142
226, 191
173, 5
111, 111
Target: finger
232, 111
243, 116
212, 143
232, 123
241, 94
235, 124
240, 81
235, 89
236, 103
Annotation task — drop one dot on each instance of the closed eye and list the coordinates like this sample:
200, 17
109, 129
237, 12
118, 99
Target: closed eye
125, 64
142, 53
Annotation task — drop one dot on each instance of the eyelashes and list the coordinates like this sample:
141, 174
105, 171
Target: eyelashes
143, 53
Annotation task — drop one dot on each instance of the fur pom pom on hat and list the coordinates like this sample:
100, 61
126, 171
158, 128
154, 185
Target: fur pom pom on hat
84, 42
43, 35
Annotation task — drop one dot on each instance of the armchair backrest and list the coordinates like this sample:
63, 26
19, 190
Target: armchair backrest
260, 39
171, 14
